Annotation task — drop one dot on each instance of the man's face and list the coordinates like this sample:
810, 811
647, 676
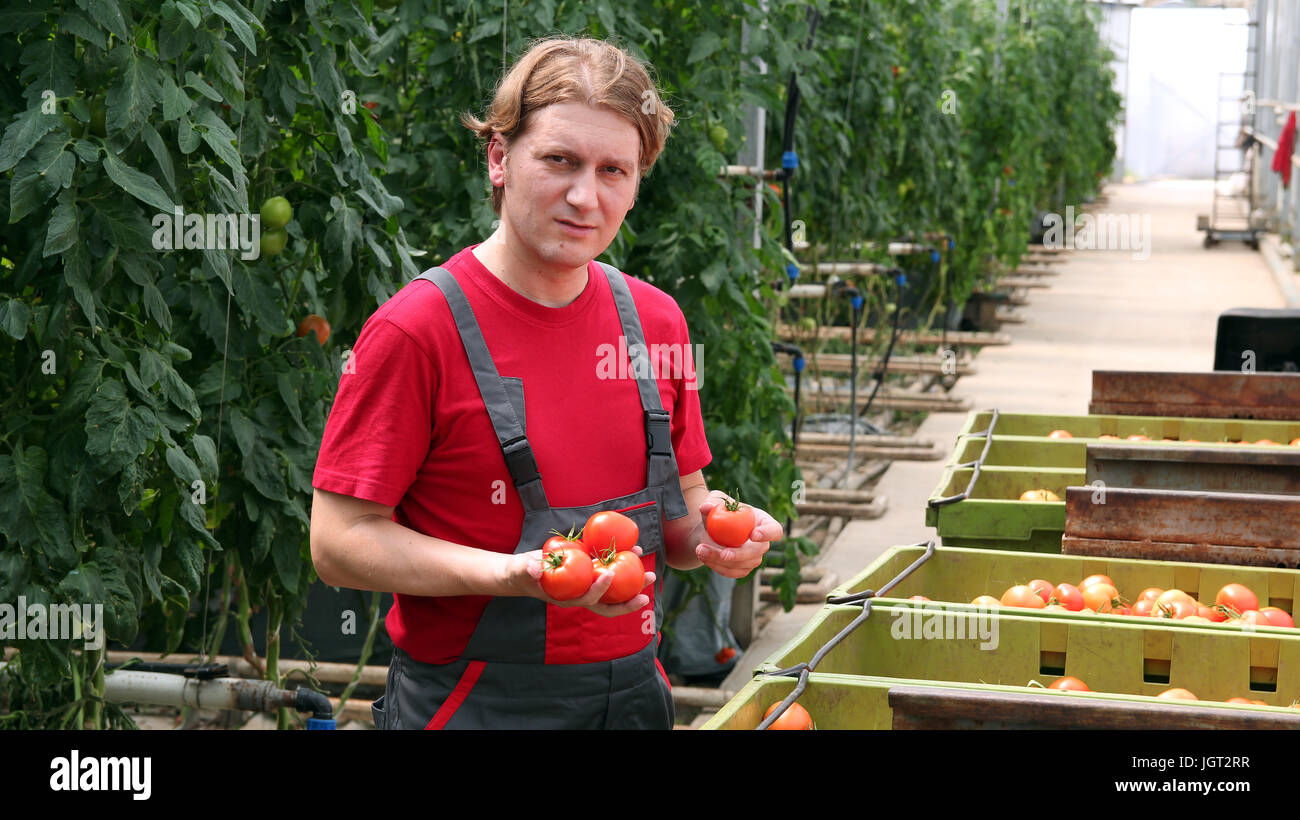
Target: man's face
575, 166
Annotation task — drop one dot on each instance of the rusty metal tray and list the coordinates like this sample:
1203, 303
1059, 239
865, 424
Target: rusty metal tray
1217, 394
1250, 529
1215, 468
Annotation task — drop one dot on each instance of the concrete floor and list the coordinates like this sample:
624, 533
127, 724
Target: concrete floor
1105, 310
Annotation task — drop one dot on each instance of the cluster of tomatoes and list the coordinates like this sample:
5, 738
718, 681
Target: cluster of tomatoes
572, 563
1235, 604
1295, 442
1070, 683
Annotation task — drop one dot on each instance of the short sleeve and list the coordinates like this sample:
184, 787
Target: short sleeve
690, 447
378, 432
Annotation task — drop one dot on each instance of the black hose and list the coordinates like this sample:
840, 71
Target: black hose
312, 701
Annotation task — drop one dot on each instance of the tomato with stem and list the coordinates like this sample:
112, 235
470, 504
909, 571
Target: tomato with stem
1068, 596
1101, 597
629, 574
1237, 596
730, 523
1022, 596
567, 573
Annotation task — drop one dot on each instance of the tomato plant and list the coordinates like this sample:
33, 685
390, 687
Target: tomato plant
567, 573
730, 523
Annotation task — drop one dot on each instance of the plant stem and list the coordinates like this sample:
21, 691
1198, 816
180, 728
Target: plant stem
274, 615
366, 649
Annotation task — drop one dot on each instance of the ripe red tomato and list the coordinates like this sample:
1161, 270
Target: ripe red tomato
1069, 596
1069, 684
1277, 617
609, 530
987, 601
794, 717
1095, 579
1108, 437
1238, 597
1176, 609
566, 573
1170, 595
1060, 434
730, 524
1144, 607
1139, 437
1150, 593
1100, 597
1043, 588
920, 599
1177, 694
316, 324
560, 541
629, 575
1022, 596
725, 654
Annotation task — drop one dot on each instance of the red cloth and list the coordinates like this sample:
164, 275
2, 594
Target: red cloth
1285, 145
408, 429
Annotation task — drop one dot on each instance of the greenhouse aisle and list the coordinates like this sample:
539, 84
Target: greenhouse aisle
1105, 310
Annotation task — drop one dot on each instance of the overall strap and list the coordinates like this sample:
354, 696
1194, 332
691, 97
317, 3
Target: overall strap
661, 466
505, 422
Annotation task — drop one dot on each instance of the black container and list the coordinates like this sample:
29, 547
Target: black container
1271, 335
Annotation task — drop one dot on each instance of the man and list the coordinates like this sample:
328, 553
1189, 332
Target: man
480, 414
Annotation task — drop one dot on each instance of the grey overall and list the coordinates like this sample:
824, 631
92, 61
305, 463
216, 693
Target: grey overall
501, 680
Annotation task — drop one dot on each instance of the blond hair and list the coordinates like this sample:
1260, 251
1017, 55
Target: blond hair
570, 69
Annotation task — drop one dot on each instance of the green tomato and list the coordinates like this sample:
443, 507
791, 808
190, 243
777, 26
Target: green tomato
273, 241
718, 136
97, 124
276, 212
74, 126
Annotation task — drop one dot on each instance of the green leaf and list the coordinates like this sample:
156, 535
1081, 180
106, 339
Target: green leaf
343, 230
76, 273
49, 66
207, 451
39, 175
63, 228
179, 393
289, 384
704, 46
16, 19
109, 15
22, 135
286, 554
262, 469
183, 466
78, 24
41, 514
152, 366
116, 432
141, 186
189, 10
219, 137
245, 431
188, 137
194, 515
160, 153
197, 83
237, 24
14, 318
175, 102
376, 136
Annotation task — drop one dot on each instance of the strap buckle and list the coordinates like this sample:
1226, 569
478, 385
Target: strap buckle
658, 433
519, 460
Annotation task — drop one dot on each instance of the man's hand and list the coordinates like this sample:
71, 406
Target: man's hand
739, 561
523, 574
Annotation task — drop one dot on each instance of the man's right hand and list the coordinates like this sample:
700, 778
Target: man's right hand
523, 574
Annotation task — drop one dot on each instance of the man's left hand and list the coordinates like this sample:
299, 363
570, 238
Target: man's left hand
736, 562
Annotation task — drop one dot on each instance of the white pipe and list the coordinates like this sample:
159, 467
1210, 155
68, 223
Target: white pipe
160, 689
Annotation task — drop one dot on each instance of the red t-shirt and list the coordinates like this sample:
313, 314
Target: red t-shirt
408, 429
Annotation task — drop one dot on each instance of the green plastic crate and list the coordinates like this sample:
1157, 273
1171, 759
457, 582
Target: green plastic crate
993, 516
1001, 649
957, 576
848, 702
1157, 427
